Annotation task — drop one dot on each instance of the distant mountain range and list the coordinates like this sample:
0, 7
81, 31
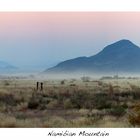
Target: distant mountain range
121, 56
6, 67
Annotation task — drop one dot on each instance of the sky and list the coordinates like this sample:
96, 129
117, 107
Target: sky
39, 40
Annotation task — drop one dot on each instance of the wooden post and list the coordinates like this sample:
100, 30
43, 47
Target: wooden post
41, 88
37, 85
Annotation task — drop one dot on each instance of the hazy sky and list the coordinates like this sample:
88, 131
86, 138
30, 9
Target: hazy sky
40, 40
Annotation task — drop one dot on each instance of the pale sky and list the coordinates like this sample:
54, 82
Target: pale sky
40, 40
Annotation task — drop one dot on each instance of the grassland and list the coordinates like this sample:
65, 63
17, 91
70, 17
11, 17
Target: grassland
70, 103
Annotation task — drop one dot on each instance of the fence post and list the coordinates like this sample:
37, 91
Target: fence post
37, 85
41, 88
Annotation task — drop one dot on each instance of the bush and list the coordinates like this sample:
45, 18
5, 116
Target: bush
125, 106
136, 95
62, 82
68, 104
33, 104
6, 83
80, 99
53, 104
8, 100
134, 116
101, 101
117, 111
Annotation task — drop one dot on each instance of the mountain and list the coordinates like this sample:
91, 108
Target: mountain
121, 56
6, 67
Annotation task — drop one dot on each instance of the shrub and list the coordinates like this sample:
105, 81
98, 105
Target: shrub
101, 101
62, 82
117, 111
82, 99
136, 95
125, 106
79, 99
6, 83
33, 104
53, 104
8, 99
72, 85
134, 116
68, 104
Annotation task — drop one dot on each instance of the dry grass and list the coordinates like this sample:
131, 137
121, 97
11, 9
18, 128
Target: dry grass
69, 103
